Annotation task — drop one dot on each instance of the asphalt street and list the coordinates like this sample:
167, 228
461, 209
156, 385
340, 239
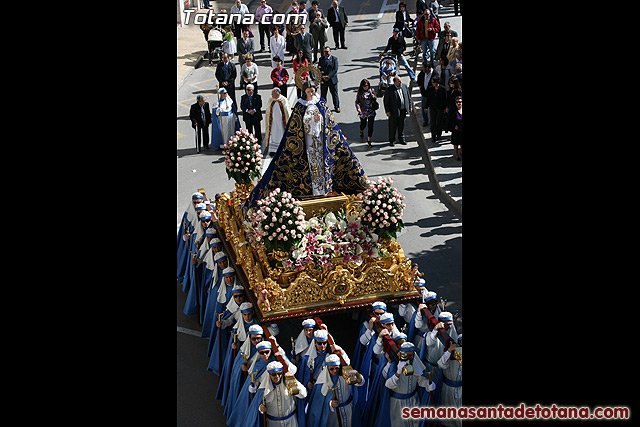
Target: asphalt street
432, 236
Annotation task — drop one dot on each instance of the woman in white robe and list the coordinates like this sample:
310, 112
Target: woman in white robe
277, 46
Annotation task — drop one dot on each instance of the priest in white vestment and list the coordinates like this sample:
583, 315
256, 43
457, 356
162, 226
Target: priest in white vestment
277, 116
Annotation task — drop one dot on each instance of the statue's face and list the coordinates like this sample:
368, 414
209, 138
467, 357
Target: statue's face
309, 93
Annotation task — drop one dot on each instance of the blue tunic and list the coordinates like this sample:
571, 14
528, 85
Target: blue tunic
212, 350
318, 408
216, 130
196, 294
209, 327
304, 373
183, 247
232, 380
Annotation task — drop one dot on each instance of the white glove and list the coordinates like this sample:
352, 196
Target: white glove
252, 389
400, 366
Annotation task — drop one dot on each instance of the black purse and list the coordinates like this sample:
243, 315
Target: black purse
374, 104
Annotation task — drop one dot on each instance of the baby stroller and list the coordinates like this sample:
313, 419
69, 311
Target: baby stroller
388, 70
214, 43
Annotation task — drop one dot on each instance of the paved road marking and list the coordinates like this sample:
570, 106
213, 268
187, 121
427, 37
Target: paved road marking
189, 331
387, 7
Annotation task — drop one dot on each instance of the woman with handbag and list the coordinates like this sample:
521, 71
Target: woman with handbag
366, 104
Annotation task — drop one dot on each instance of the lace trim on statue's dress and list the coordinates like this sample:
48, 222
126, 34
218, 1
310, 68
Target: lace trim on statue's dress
314, 101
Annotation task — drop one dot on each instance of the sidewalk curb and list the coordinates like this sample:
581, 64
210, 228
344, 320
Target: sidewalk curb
444, 197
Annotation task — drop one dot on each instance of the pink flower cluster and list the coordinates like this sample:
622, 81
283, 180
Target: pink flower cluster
382, 208
276, 223
243, 157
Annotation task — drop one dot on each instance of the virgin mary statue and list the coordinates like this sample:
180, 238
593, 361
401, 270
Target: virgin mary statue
313, 158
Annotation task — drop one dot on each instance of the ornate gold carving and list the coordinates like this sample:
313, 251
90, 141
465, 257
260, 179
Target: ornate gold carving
313, 70
279, 290
457, 356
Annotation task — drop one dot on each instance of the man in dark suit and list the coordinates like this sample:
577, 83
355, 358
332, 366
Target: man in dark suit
397, 103
304, 41
424, 83
339, 22
200, 115
437, 102
251, 106
328, 65
226, 75
245, 43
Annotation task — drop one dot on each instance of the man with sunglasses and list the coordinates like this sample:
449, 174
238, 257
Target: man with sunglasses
314, 359
258, 369
273, 402
388, 329
331, 396
302, 341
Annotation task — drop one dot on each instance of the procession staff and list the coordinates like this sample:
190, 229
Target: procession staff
331, 400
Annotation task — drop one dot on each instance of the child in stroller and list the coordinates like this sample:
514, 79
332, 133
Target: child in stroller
388, 71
